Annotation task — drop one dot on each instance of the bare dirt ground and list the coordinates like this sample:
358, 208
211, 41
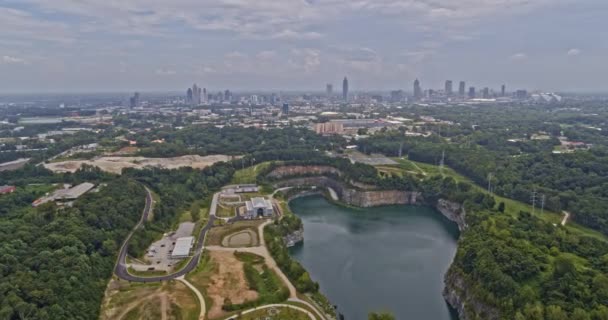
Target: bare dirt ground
116, 164
228, 282
148, 301
217, 234
245, 238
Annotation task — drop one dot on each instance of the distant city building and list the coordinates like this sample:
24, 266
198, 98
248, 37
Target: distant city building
189, 96
486, 93
461, 89
397, 95
204, 97
227, 95
329, 89
7, 189
521, 94
345, 89
285, 109
417, 90
448, 87
196, 95
134, 101
472, 93
503, 90
329, 128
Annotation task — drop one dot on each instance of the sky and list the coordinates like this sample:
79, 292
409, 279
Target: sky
161, 45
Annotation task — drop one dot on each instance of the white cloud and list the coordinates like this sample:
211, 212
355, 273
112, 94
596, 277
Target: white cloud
12, 60
519, 56
573, 52
165, 72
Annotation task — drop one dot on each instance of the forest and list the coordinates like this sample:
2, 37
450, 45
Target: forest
575, 182
55, 262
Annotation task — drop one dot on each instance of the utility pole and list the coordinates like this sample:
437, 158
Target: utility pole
490, 175
533, 200
542, 204
442, 163
400, 149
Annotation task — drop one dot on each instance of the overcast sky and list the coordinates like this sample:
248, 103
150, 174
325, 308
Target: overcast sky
146, 45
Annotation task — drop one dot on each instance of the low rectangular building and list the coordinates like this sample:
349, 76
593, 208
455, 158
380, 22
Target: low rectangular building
258, 207
7, 189
182, 247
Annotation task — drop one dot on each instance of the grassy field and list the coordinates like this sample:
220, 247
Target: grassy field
512, 207
249, 174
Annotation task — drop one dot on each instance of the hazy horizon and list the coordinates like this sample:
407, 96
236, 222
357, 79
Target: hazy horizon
63, 46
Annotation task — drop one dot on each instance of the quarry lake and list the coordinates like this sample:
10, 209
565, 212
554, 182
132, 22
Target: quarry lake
389, 258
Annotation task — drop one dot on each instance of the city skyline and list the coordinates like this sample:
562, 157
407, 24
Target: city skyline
91, 46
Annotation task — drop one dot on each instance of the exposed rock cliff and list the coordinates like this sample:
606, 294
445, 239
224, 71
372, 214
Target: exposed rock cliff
453, 211
459, 295
355, 197
290, 171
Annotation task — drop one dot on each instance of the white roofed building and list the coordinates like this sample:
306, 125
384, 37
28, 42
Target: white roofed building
182, 247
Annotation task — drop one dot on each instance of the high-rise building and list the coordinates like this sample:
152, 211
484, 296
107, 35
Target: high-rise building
227, 95
189, 96
521, 94
486, 93
461, 88
204, 96
196, 95
345, 89
448, 87
472, 93
329, 89
285, 109
397, 96
503, 90
134, 101
417, 90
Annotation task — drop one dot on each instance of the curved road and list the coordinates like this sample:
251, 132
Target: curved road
121, 269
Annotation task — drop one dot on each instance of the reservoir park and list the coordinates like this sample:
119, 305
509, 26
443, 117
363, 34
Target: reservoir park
383, 258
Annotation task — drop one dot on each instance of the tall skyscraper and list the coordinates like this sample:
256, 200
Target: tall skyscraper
448, 87
486, 93
196, 95
329, 89
285, 109
417, 90
134, 101
503, 90
345, 89
204, 96
189, 96
472, 93
461, 88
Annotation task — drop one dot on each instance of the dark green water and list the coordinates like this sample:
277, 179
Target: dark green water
388, 258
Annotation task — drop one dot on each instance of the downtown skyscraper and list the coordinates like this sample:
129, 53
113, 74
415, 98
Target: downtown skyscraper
448, 87
417, 90
461, 89
345, 89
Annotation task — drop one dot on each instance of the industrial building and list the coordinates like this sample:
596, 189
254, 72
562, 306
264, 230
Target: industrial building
67, 194
182, 247
258, 207
7, 189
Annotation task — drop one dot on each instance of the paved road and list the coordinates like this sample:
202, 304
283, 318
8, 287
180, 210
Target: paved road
310, 315
121, 269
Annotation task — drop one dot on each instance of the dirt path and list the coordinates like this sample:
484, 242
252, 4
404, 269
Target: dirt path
198, 294
566, 217
163, 306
